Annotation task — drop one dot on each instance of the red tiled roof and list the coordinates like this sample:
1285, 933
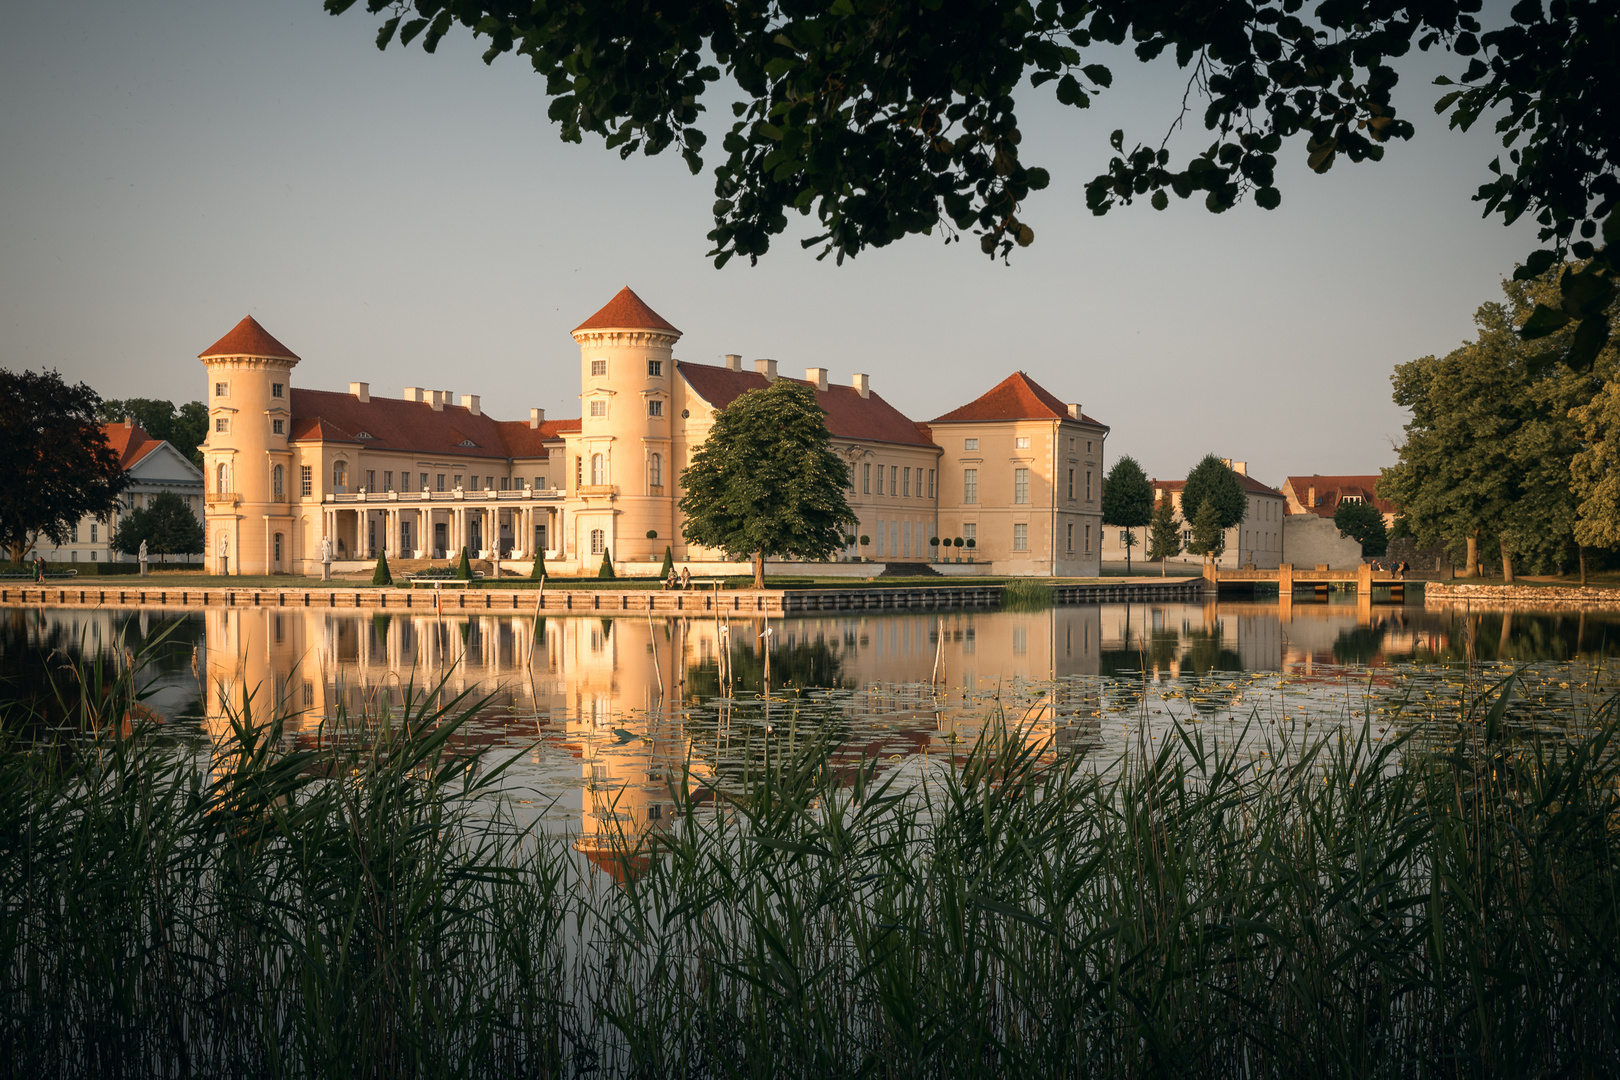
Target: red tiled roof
131, 443
1017, 397
414, 426
626, 311
248, 338
1249, 484
1330, 490
849, 416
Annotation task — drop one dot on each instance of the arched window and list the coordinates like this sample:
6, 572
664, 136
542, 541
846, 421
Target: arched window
278, 481
222, 478
340, 475
598, 541
598, 469
655, 471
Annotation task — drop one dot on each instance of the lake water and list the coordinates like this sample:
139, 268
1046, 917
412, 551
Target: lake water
603, 711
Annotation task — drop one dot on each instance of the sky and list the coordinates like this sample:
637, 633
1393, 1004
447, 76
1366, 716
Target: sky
403, 219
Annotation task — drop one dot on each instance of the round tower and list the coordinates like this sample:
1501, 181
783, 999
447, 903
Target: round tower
247, 465
619, 476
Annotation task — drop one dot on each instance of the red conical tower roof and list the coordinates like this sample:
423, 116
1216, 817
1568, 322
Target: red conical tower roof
248, 338
626, 311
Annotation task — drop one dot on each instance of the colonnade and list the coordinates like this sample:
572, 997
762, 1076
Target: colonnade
509, 531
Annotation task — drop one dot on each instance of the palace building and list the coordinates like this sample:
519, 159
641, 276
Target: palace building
1016, 471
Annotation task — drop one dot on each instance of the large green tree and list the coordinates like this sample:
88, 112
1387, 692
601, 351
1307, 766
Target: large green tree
885, 120
1127, 500
1361, 522
166, 524
59, 468
184, 427
1212, 481
1208, 536
1489, 451
766, 483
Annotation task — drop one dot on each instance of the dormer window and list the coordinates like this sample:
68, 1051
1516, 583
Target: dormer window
365, 435
466, 442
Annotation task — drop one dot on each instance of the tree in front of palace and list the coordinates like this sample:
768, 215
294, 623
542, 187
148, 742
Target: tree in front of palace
59, 468
1212, 481
380, 574
766, 483
184, 428
1164, 533
1208, 535
1361, 522
1127, 501
166, 524
1489, 452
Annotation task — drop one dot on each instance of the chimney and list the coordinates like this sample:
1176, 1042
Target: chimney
470, 403
1074, 410
415, 393
129, 423
733, 361
766, 368
1310, 499
436, 399
537, 417
1241, 468
361, 391
816, 376
863, 384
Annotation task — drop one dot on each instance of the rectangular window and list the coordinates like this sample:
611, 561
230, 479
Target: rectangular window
880, 480
222, 389
371, 479
598, 367
540, 482
506, 483
440, 478
905, 539
1071, 446
388, 481
458, 480
306, 480
95, 556
1021, 485
278, 427
866, 479
1071, 538
1021, 443
905, 481
221, 424
579, 472
930, 483
275, 390
655, 369
1071, 485
970, 486
424, 481
894, 479
598, 408
1088, 485
1088, 446
75, 533
1088, 539
92, 532
970, 444
1020, 537
655, 407
970, 532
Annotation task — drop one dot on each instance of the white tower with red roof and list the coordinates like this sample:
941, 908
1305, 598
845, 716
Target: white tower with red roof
247, 465
618, 468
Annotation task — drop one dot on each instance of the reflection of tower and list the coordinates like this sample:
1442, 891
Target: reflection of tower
246, 460
620, 476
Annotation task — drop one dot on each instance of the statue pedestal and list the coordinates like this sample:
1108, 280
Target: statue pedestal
143, 567
326, 571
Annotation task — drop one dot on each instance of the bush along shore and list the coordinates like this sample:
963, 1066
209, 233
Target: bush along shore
361, 906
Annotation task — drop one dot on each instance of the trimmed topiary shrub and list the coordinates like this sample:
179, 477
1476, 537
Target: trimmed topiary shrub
606, 571
464, 569
381, 576
539, 569
669, 563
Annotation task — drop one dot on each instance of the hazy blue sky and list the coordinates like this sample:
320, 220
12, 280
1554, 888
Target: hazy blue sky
167, 167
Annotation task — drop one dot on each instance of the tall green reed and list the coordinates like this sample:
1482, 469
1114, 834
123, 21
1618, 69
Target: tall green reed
367, 906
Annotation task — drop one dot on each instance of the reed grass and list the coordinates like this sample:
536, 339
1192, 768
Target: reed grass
1026, 594
368, 907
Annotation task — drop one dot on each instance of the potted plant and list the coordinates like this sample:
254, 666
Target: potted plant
933, 542
864, 541
971, 544
849, 541
957, 543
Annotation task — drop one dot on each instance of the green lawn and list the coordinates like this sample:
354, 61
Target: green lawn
194, 580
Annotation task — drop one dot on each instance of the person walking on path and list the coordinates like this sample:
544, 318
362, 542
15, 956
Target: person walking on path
39, 568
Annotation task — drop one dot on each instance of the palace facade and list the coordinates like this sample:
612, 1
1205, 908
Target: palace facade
1016, 471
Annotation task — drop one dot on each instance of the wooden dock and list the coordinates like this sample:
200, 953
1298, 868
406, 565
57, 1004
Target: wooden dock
604, 602
1287, 578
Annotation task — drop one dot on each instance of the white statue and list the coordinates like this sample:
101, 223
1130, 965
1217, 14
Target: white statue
326, 549
142, 555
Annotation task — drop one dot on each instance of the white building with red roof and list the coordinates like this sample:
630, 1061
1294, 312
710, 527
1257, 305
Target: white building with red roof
1256, 541
153, 466
426, 474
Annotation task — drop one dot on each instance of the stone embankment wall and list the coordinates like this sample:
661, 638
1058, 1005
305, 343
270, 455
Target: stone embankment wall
1452, 593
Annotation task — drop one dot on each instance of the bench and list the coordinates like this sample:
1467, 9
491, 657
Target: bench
437, 582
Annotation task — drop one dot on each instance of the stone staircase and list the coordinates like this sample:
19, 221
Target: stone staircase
909, 569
